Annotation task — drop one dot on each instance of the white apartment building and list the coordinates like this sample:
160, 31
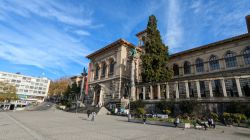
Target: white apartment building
28, 89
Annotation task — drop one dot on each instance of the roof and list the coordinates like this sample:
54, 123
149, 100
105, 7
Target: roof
117, 42
142, 32
215, 44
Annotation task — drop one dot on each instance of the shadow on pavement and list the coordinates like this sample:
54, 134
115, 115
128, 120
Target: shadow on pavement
242, 134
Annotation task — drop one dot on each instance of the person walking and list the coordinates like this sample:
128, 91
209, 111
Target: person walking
209, 121
177, 121
144, 119
88, 113
93, 116
212, 123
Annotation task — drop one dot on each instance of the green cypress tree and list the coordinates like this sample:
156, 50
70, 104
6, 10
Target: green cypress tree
155, 56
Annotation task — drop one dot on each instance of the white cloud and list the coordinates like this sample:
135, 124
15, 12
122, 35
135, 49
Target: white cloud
49, 9
174, 32
82, 32
28, 40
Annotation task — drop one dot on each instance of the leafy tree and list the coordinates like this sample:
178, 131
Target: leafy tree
75, 90
7, 92
155, 56
59, 86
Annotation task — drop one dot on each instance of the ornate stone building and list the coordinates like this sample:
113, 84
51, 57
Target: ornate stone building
216, 72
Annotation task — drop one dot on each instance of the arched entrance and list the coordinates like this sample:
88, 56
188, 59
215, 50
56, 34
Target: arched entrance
98, 99
97, 96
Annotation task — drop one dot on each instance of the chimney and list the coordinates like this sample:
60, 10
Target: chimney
248, 23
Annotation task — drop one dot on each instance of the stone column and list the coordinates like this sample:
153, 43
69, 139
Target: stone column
198, 88
144, 92
93, 102
132, 79
176, 90
210, 88
167, 91
107, 71
101, 101
187, 89
137, 92
151, 92
82, 86
222, 81
99, 73
159, 91
237, 80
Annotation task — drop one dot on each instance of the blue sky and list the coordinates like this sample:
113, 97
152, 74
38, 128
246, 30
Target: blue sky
52, 37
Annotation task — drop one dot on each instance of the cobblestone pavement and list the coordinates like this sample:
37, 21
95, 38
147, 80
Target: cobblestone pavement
58, 125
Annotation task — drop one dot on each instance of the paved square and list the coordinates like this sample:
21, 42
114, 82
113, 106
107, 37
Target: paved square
58, 125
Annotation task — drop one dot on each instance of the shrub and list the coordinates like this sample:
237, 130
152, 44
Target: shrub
137, 104
164, 105
214, 116
185, 117
186, 121
188, 106
167, 111
140, 111
226, 115
237, 117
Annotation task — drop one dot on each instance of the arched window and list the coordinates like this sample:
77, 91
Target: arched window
199, 65
187, 67
176, 69
97, 68
104, 67
214, 63
246, 55
111, 67
230, 60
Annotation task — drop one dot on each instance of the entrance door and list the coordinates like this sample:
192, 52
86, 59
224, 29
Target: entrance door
97, 96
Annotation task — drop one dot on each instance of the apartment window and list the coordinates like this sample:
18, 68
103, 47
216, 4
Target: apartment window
187, 67
176, 69
199, 65
230, 60
246, 55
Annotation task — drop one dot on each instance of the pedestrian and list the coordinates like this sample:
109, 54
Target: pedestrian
88, 113
93, 116
212, 123
224, 121
209, 121
144, 119
177, 121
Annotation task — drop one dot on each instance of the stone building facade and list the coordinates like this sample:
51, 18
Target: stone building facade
216, 72
110, 70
